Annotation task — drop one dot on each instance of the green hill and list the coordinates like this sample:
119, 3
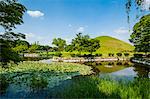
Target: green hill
113, 45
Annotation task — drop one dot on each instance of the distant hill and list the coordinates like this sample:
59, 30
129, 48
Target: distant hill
113, 45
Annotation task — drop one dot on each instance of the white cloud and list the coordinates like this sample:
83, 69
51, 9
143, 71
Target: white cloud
35, 14
146, 4
121, 30
81, 29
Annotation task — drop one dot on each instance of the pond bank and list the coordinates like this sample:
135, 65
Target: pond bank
144, 61
72, 60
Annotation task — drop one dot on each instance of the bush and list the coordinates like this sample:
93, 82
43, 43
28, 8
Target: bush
72, 55
126, 54
78, 55
58, 54
111, 54
98, 55
119, 54
138, 55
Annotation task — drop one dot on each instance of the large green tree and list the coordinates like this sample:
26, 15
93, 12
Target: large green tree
93, 45
141, 35
80, 42
11, 14
59, 43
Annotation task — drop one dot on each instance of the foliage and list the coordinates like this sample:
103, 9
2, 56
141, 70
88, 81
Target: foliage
141, 35
119, 54
80, 42
20, 48
138, 55
139, 5
33, 48
58, 54
98, 55
11, 14
111, 54
7, 41
37, 75
126, 54
59, 43
94, 87
92, 45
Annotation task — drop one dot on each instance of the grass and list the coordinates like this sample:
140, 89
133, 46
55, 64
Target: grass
93, 87
113, 45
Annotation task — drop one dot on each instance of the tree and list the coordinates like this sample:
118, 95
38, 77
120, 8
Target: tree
7, 41
80, 43
141, 35
140, 6
11, 14
93, 45
33, 48
20, 46
59, 43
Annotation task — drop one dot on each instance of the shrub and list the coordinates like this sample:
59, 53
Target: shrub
111, 54
119, 54
98, 55
138, 55
126, 54
72, 55
78, 55
58, 54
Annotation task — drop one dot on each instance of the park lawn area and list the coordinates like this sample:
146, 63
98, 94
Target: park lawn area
27, 75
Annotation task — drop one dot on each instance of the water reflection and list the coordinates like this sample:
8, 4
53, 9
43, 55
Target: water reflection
122, 69
142, 71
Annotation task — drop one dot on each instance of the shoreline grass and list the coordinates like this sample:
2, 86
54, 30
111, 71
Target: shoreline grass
93, 87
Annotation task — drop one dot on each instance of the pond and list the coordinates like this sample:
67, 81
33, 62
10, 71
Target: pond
124, 70
118, 70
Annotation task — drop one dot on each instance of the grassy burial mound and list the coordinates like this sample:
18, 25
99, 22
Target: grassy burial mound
113, 45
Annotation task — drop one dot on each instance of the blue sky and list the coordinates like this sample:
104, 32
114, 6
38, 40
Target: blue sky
48, 19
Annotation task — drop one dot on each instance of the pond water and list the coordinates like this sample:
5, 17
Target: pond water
123, 70
116, 69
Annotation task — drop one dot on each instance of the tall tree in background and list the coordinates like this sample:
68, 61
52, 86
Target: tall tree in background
141, 35
11, 14
59, 43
